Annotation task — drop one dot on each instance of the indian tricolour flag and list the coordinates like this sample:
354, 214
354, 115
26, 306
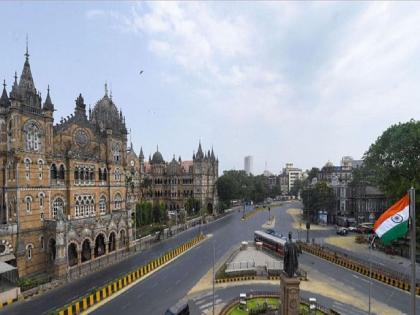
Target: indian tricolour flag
393, 223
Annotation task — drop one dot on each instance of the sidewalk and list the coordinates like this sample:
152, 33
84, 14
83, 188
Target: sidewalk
299, 224
348, 245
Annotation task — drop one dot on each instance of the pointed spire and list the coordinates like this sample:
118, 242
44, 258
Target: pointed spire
48, 105
106, 89
26, 83
212, 154
4, 99
200, 154
27, 49
141, 155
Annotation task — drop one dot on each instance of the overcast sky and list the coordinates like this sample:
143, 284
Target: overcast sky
283, 82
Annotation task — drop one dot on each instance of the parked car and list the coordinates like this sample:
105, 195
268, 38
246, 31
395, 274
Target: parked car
342, 231
365, 228
352, 229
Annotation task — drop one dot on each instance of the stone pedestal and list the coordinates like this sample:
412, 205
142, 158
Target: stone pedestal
289, 295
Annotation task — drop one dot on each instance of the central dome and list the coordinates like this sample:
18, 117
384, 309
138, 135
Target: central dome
105, 116
157, 158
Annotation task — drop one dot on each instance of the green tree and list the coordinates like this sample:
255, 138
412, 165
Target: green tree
192, 206
318, 198
296, 188
394, 159
144, 213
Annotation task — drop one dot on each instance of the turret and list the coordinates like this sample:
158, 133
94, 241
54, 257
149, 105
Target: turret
48, 105
80, 109
4, 99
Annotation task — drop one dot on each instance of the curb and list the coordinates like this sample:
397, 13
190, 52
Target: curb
98, 295
359, 268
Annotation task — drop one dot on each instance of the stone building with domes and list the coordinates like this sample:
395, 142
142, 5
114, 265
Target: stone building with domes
63, 201
173, 183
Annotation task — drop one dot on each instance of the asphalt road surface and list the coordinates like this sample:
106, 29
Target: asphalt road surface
165, 287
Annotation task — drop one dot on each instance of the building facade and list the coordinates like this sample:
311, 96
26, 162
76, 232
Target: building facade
174, 183
248, 164
289, 176
63, 201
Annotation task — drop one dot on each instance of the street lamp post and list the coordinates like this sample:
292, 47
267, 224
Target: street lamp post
214, 258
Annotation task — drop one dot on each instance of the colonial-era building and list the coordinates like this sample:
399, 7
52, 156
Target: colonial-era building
175, 182
63, 193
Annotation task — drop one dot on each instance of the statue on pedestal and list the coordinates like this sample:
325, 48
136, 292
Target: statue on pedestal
290, 261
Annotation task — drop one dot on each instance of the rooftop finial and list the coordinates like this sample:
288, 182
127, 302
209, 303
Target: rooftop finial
110, 91
157, 147
15, 77
27, 50
106, 89
4, 83
48, 89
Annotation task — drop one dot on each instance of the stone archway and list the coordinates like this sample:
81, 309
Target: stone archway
52, 249
99, 245
112, 242
72, 254
86, 251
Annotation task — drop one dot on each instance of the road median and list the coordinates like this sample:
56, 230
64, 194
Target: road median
101, 294
356, 266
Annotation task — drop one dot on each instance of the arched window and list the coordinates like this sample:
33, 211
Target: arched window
27, 168
76, 174
29, 249
85, 206
117, 201
105, 174
58, 206
78, 209
28, 202
41, 200
42, 243
100, 173
61, 172
40, 168
102, 205
116, 151
32, 137
53, 172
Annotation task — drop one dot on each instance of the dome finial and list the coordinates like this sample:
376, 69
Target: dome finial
106, 89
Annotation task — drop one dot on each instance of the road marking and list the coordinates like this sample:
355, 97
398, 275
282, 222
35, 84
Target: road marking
360, 278
148, 275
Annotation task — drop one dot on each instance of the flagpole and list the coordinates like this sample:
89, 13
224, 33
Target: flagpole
370, 270
412, 192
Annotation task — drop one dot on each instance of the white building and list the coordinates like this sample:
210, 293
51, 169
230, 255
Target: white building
292, 174
248, 164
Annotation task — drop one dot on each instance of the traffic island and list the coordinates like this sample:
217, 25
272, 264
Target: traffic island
267, 303
99, 295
